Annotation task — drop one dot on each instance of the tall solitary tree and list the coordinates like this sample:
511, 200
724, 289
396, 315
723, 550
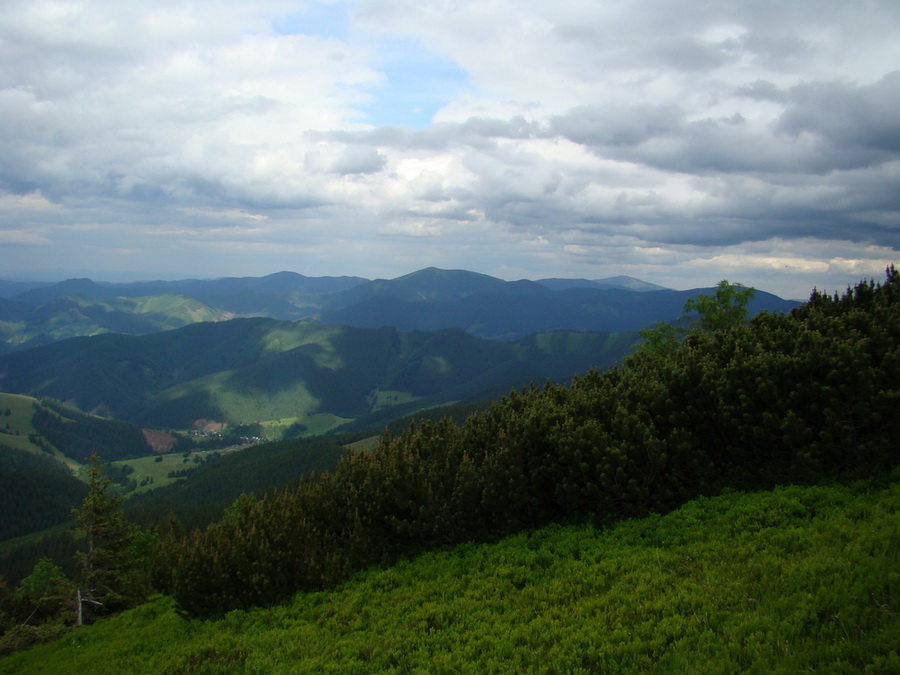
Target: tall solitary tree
109, 575
727, 307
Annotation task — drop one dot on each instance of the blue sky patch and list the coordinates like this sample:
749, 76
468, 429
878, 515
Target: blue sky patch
325, 19
418, 84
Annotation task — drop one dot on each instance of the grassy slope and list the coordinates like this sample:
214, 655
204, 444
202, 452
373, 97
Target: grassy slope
153, 471
20, 420
15, 427
799, 579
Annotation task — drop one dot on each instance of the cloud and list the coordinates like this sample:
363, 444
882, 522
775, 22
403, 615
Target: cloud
648, 137
856, 118
356, 159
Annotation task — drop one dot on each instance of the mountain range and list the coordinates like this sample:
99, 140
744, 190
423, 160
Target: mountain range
427, 300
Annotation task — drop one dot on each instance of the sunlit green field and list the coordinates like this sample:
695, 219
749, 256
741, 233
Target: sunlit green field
790, 581
153, 471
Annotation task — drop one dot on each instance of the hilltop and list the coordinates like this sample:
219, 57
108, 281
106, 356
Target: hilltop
290, 355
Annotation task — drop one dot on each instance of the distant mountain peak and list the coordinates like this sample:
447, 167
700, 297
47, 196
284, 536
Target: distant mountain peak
443, 274
69, 287
430, 283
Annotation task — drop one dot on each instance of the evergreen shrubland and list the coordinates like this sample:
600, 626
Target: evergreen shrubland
781, 399
793, 580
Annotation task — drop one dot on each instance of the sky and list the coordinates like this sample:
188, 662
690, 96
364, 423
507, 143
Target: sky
678, 141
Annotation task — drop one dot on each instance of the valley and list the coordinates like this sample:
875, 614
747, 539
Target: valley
288, 355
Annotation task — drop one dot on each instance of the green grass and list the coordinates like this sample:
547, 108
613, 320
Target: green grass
274, 410
286, 337
16, 427
794, 580
321, 423
246, 404
153, 471
130, 315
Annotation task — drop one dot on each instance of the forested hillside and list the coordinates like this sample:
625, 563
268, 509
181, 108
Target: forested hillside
36, 492
784, 399
279, 374
43, 445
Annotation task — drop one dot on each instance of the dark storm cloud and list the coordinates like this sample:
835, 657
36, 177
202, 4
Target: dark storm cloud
862, 118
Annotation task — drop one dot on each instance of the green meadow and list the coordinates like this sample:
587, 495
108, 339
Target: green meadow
154, 471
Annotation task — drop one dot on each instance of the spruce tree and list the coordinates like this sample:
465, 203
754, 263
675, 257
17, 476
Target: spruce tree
109, 577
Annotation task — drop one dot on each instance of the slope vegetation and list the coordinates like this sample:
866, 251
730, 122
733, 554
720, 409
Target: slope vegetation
24, 325
794, 580
727, 405
43, 445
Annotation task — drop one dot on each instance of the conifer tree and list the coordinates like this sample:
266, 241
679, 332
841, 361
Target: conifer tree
108, 568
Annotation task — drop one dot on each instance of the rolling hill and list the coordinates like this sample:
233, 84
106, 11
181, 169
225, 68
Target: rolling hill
41, 314
280, 373
434, 299
43, 446
630, 574
67, 436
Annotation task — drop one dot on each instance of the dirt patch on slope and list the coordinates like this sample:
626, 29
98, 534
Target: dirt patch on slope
159, 441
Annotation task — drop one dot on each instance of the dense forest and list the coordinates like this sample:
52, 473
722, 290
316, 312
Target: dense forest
724, 404
36, 492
